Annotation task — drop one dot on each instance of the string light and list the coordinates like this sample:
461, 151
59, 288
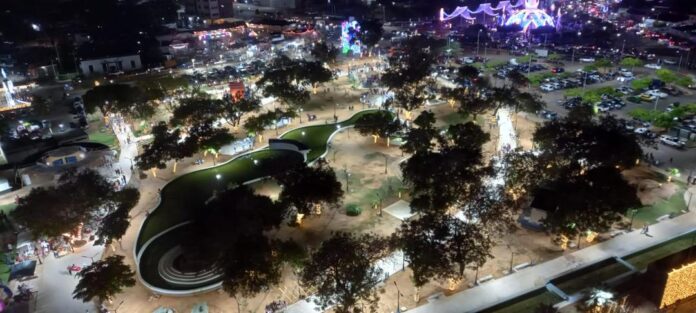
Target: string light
680, 285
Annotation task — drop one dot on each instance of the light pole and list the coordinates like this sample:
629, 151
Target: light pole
398, 298
512, 258
478, 37
633, 215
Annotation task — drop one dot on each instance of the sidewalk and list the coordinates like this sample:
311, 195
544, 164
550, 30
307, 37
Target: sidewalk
517, 284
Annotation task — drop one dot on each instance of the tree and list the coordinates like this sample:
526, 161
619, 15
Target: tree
641, 83
471, 104
468, 73
603, 63
114, 225
235, 108
195, 110
314, 74
420, 137
443, 247
343, 272
53, 211
257, 124
118, 98
631, 62
517, 79
381, 124
580, 160
305, 187
40, 105
165, 146
325, 53
370, 34
448, 173
227, 234
103, 279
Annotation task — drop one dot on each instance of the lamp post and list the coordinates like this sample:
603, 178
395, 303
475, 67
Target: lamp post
478, 37
398, 298
633, 215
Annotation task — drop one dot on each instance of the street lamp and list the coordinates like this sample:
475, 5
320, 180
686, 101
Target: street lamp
398, 298
478, 36
633, 215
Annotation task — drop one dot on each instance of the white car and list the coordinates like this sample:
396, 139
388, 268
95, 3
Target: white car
546, 87
587, 60
640, 130
657, 93
672, 141
653, 66
625, 78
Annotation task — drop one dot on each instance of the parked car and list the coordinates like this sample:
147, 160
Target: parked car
657, 93
640, 130
672, 141
653, 66
557, 70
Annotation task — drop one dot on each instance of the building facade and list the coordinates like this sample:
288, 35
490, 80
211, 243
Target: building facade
206, 9
111, 65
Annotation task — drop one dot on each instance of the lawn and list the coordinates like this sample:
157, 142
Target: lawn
649, 214
106, 138
4, 270
7, 208
186, 193
526, 303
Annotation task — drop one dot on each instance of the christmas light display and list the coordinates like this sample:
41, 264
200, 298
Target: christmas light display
8, 89
503, 7
349, 36
530, 16
680, 285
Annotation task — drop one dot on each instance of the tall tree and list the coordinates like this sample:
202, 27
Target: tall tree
381, 124
166, 145
103, 279
72, 201
580, 160
118, 98
306, 187
370, 34
114, 225
442, 246
227, 234
343, 272
517, 79
236, 108
448, 172
324, 52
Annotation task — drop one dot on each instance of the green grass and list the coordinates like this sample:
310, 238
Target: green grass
649, 214
526, 303
535, 79
7, 208
4, 270
106, 138
642, 259
188, 192
591, 276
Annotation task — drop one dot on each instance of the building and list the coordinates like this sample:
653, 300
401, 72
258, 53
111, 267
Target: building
256, 7
111, 65
206, 9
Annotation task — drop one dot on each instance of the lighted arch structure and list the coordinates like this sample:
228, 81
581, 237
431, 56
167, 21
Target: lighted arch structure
525, 13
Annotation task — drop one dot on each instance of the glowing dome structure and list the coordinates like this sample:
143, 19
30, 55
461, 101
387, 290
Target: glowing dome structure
530, 16
525, 13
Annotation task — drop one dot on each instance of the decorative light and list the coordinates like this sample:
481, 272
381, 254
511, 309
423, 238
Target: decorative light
530, 16
349, 40
680, 285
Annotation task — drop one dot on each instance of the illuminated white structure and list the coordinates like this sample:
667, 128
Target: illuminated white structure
8, 91
530, 16
525, 13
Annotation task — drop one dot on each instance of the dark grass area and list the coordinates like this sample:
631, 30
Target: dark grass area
590, 276
525, 303
186, 193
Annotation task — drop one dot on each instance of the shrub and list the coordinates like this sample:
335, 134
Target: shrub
353, 210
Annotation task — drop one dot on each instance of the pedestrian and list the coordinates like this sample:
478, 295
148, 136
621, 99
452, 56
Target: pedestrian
670, 160
70, 269
646, 230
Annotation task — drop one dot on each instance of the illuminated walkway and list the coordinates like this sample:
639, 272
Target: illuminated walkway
529, 279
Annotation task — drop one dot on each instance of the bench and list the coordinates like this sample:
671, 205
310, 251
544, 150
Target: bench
663, 217
521, 266
484, 279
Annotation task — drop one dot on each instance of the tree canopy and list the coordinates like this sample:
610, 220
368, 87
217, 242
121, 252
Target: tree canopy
305, 187
343, 272
324, 52
227, 233
103, 279
381, 124
55, 210
119, 98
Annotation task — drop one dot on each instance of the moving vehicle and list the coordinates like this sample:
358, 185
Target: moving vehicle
653, 66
